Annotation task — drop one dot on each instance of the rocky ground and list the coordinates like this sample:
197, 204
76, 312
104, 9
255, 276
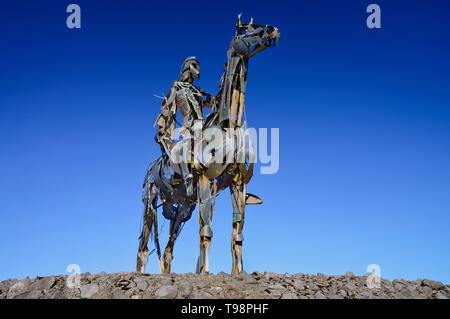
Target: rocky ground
126, 285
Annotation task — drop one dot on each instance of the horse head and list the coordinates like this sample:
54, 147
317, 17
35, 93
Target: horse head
251, 38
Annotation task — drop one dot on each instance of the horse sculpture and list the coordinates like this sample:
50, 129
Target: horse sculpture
222, 158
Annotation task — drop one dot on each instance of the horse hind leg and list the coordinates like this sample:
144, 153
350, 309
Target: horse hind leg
238, 200
168, 252
149, 210
143, 248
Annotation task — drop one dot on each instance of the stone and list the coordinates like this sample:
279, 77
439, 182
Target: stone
333, 289
242, 276
322, 285
313, 287
398, 285
166, 292
440, 295
287, 296
166, 280
141, 283
349, 274
185, 289
250, 280
365, 294
26, 295
270, 275
320, 295
426, 291
125, 284
204, 295
19, 288
349, 287
253, 286
411, 290
119, 294
433, 284
216, 289
276, 287
275, 294
44, 283
299, 284
89, 290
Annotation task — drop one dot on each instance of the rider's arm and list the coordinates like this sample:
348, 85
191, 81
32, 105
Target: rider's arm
208, 100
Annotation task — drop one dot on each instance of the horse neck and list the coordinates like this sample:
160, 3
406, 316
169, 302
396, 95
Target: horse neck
233, 90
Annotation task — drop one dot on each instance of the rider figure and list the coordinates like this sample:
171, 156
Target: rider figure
189, 100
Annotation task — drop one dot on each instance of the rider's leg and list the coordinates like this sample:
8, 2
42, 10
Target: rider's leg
185, 160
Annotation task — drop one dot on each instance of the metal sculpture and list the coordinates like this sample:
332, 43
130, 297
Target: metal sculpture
215, 153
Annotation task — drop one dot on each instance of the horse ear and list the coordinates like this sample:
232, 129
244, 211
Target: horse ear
251, 20
238, 23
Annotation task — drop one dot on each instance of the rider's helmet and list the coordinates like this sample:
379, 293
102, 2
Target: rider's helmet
190, 68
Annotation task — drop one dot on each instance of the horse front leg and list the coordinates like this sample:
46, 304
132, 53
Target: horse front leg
183, 214
205, 220
237, 191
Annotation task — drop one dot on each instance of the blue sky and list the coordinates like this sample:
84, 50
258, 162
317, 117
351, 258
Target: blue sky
364, 119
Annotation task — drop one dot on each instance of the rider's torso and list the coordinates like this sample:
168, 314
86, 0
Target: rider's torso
190, 103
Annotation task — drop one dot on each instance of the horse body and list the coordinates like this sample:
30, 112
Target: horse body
223, 158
